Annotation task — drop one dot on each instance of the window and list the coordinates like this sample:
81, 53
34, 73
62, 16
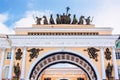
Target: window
117, 55
119, 71
6, 72
8, 55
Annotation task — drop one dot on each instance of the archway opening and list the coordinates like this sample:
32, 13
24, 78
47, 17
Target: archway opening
63, 71
63, 57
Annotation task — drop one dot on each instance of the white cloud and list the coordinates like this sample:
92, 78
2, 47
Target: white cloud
3, 18
30, 19
109, 15
3, 28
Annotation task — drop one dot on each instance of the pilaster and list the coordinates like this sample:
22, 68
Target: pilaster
102, 63
23, 64
2, 62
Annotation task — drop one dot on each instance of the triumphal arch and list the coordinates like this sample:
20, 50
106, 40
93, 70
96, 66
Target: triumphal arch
27, 54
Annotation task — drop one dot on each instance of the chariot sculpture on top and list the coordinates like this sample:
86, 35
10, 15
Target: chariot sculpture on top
64, 19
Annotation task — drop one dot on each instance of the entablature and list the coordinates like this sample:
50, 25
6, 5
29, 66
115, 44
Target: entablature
62, 41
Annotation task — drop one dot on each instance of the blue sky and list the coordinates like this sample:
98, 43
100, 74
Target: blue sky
14, 13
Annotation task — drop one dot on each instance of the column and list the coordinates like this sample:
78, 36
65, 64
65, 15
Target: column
102, 63
1, 62
115, 64
23, 64
11, 64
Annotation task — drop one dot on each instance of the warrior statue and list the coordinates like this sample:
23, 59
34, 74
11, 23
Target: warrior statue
88, 21
45, 21
58, 19
74, 20
51, 19
17, 71
38, 21
109, 71
18, 54
81, 20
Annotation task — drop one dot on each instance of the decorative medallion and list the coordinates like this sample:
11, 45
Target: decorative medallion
92, 53
107, 54
34, 53
18, 54
17, 71
109, 71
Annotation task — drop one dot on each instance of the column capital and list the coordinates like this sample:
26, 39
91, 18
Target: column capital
113, 47
102, 47
24, 47
3, 48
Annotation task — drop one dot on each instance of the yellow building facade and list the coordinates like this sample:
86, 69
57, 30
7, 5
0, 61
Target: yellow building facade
27, 54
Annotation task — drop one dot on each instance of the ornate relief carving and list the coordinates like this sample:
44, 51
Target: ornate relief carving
18, 54
34, 53
107, 54
92, 53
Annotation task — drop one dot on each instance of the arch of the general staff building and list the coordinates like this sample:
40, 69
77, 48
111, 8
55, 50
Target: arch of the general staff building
68, 56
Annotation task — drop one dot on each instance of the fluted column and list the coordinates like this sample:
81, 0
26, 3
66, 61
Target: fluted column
115, 64
23, 64
11, 64
1, 62
102, 63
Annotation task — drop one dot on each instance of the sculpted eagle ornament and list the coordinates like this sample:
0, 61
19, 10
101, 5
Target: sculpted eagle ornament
34, 53
92, 52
